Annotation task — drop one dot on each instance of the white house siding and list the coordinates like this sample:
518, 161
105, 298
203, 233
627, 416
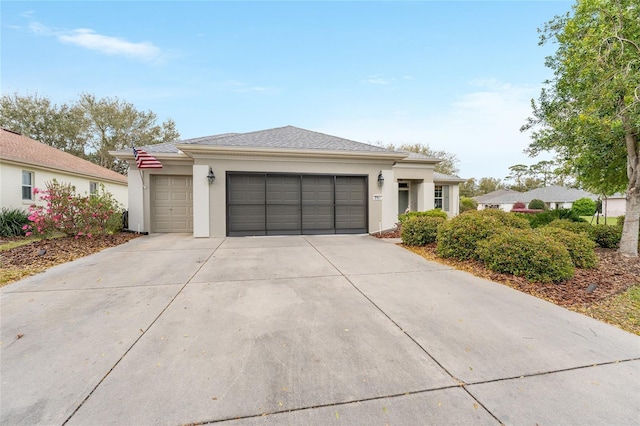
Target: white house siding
11, 185
613, 207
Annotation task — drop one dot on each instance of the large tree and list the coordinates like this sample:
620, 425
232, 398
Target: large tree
87, 128
589, 112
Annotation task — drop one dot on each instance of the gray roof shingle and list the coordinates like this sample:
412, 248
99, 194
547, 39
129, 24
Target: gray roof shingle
548, 194
288, 137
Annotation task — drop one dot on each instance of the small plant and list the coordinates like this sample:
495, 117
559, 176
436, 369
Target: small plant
429, 213
12, 222
607, 236
458, 237
549, 216
72, 214
580, 247
421, 230
537, 204
584, 207
523, 252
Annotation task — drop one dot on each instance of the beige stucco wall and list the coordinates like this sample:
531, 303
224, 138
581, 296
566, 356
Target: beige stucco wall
223, 164
614, 207
11, 185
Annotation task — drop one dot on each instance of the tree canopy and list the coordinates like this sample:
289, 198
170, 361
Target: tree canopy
88, 128
448, 165
589, 112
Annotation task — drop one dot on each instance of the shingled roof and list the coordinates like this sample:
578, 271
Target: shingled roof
21, 149
288, 137
548, 194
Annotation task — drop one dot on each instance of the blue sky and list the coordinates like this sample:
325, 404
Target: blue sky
457, 76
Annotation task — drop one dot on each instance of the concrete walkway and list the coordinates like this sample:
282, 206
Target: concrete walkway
168, 329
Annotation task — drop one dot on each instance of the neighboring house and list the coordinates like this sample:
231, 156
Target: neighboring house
614, 205
554, 197
26, 164
281, 181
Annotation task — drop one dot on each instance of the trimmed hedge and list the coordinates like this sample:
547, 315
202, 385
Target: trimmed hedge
523, 252
607, 236
12, 221
420, 230
537, 204
458, 237
429, 213
575, 227
584, 207
580, 247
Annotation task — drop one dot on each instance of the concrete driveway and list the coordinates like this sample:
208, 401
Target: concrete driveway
168, 329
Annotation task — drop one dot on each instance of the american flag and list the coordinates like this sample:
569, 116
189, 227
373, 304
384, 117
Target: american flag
145, 161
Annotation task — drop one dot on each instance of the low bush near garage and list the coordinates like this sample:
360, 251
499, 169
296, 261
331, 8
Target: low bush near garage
523, 252
549, 216
458, 237
580, 247
420, 230
429, 213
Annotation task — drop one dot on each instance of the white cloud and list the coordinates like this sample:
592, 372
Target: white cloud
240, 87
376, 80
108, 45
482, 127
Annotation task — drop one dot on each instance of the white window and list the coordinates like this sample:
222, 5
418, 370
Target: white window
441, 197
27, 185
93, 188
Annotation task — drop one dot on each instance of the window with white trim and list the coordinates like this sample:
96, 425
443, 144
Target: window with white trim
441, 197
93, 188
27, 185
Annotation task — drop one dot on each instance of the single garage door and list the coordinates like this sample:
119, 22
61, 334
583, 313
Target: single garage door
281, 204
171, 203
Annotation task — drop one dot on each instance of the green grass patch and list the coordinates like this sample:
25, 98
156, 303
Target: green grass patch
18, 242
609, 220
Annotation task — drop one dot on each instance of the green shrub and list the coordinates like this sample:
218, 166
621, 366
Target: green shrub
421, 230
607, 236
548, 216
525, 253
428, 213
12, 222
537, 204
458, 237
506, 218
584, 207
468, 204
580, 247
575, 227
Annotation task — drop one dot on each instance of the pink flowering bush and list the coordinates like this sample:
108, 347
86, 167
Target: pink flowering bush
72, 214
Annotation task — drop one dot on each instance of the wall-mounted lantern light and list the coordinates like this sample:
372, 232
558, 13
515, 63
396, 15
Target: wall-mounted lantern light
380, 179
210, 176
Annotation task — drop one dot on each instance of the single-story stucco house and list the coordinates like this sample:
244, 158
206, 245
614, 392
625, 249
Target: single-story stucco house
554, 197
26, 164
281, 181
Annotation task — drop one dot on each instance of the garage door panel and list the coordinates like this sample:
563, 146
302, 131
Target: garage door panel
317, 218
246, 218
246, 189
283, 217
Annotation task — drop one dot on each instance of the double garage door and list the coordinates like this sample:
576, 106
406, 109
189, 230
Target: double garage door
281, 204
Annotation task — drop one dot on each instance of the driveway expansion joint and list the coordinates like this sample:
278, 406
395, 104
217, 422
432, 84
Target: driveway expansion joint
332, 404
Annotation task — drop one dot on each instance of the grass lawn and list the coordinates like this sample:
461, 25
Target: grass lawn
622, 310
602, 220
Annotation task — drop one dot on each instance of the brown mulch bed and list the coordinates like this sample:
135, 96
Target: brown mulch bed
614, 274
394, 233
29, 259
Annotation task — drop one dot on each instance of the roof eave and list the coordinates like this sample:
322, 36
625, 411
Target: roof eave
38, 165
287, 152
